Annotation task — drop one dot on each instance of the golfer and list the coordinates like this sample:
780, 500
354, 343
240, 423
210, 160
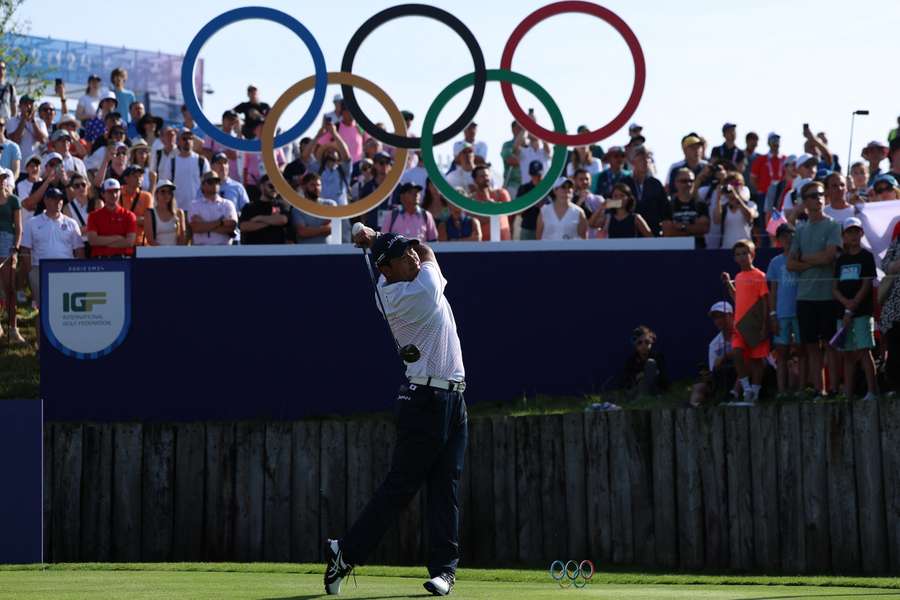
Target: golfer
431, 415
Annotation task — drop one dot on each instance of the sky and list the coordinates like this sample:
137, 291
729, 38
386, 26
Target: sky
765, 65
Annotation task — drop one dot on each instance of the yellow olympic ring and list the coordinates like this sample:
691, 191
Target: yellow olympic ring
353, 209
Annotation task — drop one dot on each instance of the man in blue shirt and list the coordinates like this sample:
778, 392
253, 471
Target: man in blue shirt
124, 97
616, 172
229, 189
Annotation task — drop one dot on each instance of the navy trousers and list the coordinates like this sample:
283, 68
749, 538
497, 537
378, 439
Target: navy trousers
432, 431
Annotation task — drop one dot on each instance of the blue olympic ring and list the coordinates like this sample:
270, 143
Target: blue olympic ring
243, 14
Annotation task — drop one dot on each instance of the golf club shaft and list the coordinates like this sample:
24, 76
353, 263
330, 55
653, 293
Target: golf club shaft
380, 303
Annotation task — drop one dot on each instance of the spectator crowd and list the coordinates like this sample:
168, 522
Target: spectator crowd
110, 176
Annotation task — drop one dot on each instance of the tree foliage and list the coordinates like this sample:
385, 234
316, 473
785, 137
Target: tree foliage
20, 68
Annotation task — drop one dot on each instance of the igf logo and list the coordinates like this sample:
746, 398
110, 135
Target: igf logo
82, 301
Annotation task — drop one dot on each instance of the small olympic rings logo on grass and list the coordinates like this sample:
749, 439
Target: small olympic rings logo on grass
571, 573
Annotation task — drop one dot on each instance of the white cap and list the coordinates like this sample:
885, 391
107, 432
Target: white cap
805, 158
791, 160
164, 183
851, 222
337, 98
635, 126
50, 156
109, 95
561, 181
722, 307
111, 184
4, 172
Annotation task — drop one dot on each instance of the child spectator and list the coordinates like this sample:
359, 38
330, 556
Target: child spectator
644, 373
783, 308
854, 272
750, 338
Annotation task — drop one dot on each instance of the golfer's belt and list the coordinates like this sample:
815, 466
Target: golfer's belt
441, 384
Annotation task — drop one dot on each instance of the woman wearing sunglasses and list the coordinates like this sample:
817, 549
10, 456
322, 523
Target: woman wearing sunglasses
885, 188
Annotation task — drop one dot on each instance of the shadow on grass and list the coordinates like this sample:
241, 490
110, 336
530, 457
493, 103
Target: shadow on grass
818, 595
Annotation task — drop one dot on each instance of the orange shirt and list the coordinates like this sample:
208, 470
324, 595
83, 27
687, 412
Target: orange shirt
138, 203
497, 195
749, 287
112, 222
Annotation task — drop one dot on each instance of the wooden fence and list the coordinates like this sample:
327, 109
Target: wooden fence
792, 488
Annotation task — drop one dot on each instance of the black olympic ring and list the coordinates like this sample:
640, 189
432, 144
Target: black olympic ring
415, 10
571, 573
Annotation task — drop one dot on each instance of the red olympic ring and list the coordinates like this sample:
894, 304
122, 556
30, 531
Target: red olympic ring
637, 54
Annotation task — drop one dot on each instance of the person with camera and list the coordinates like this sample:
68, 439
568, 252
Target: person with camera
687, 215
619, 219
735, 217
27, 129
54, 176
213, 218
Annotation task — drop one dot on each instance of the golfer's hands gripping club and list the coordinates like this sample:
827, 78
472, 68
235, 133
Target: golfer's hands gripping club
362, 236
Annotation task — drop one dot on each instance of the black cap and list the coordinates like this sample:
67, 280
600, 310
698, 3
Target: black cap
407, 115
131, 170
54, 192
383, 156
390, 245
220, 156
536, 167
409, 185
229, 113
784, 228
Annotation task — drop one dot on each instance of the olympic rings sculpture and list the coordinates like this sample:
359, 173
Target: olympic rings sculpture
477, 80
572, 573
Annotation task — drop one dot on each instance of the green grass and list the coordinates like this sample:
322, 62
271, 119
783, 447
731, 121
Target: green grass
263, 581
20, 375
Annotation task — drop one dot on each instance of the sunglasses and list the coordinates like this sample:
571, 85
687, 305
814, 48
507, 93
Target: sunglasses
78, 186
813, 195
685, 181
881, 190
122, 153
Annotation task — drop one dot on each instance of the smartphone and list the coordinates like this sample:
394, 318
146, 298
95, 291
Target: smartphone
614, 204
58, 82
530, 111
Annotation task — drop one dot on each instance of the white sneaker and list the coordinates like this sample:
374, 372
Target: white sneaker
336, 570
441, 585
870, 396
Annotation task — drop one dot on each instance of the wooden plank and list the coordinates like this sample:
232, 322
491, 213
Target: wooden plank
190, 459
503, 433
621, 484
47, 492
689, 491
790, 491
126, 506
249, 486
740, 492
277, 493
813, 422
553, 486
575, 484
158, 487
306, 538
889, 416
869, 487
218, 537
466, 518
96, 493
714, 477
528, 486
844, 527
333, 500
359, 467
482, 466
665, 515
764, 465
640, 464
67, 454
599, 509
384, 438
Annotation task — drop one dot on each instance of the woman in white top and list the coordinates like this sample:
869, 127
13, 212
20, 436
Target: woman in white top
165, 223
735, 219
561, 220
26, 184
90, 102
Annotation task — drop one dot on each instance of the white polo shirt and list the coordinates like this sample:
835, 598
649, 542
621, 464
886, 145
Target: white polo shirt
213, 210
419, 314
51, 238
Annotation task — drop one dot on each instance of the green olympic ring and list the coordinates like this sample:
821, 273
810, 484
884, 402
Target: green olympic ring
488, 209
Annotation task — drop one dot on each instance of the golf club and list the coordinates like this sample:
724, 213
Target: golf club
408, 353
852, 123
